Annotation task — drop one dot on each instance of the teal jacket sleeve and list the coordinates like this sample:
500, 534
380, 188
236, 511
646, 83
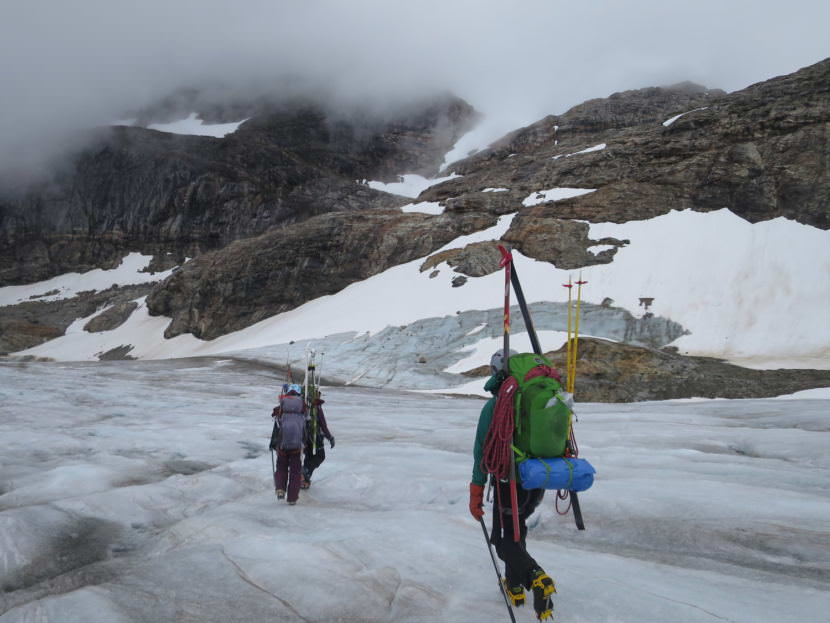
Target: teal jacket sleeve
479, 477
493, 385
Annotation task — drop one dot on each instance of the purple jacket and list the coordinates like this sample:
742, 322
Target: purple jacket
322, 427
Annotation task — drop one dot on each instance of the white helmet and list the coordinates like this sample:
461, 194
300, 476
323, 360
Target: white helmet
497, 360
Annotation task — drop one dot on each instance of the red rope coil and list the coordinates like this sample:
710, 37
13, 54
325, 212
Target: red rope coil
498, 445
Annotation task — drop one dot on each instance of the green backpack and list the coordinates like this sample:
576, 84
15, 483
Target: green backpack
542, 419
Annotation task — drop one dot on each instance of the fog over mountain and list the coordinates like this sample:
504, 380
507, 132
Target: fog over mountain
69, 66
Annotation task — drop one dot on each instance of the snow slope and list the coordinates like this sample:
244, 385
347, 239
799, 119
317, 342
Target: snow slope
150, 499
740, 292
743, 290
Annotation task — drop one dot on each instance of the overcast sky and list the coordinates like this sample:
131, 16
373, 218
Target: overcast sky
69, 64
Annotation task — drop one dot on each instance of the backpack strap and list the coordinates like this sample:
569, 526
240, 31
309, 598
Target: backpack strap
520, 456
542, 370
517, 414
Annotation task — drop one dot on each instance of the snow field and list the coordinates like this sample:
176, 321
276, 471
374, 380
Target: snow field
694, 515
742, 293
743, 290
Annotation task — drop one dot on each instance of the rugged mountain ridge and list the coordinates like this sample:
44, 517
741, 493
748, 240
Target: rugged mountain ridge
135, 189
761, 152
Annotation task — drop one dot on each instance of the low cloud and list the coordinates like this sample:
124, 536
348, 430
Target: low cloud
74, 65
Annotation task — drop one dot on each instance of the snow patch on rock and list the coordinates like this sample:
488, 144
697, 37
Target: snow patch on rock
410, 185
554, 194
128, 272
671, 120
195, 126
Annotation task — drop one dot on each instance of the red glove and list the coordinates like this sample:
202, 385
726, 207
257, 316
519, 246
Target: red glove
477, 501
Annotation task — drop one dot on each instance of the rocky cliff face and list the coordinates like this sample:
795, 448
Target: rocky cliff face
594, 120
761, 152
137, 189
252, 279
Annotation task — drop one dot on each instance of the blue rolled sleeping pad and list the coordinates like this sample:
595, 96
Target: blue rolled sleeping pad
559, 473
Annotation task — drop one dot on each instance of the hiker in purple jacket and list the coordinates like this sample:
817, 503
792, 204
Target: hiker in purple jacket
289, 440
314, 457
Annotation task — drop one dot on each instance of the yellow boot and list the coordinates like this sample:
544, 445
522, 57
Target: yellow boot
516, 594
543, 587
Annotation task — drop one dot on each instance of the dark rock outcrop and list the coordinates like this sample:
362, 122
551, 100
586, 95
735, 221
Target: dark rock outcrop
614, 372
252, 279
119, 353
563, 243
111, 318
474, 260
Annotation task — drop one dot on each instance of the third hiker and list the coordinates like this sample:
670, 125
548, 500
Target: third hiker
315, 452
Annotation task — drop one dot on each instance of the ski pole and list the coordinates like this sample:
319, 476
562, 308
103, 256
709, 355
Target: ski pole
572, 381
517, 288
498, 573
570, 286
312, 401
319, 373
507, 263
580, 524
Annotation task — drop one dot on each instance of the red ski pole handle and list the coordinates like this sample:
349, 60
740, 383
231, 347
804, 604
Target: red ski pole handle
506, 256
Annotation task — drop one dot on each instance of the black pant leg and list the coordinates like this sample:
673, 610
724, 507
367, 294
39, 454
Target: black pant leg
313, 460
518, 562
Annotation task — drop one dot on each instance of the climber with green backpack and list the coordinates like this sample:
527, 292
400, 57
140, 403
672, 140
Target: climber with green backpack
524, 441
521, 570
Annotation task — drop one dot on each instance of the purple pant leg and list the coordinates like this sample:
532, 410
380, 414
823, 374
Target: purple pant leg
295, 475
281, 475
